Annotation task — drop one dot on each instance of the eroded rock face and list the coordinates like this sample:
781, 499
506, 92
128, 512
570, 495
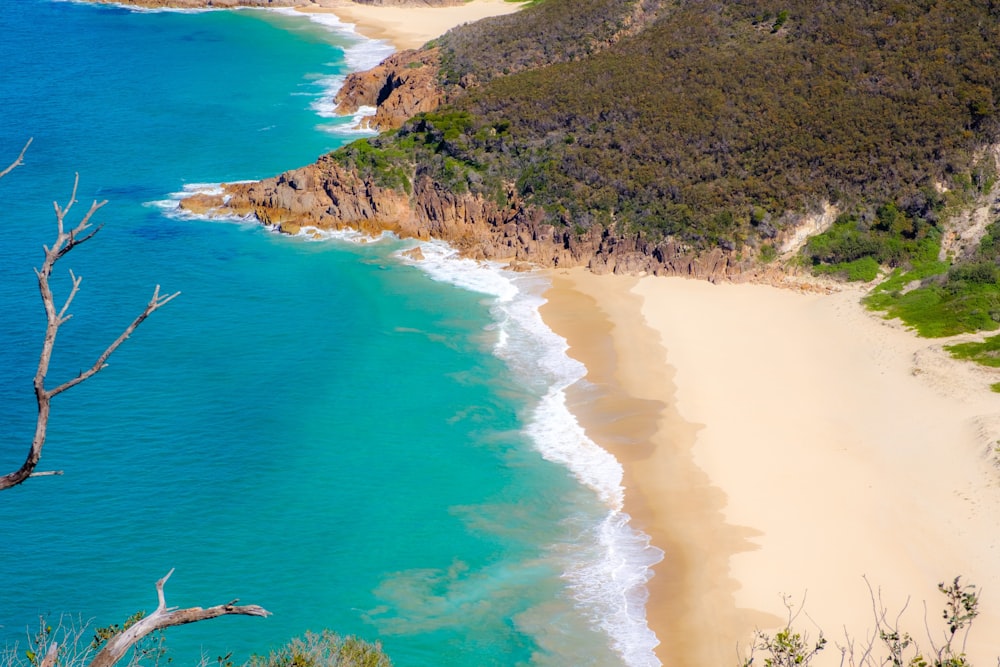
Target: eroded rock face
326, 195
401, 86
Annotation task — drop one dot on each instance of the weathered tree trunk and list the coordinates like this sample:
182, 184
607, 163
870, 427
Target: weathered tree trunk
165, 617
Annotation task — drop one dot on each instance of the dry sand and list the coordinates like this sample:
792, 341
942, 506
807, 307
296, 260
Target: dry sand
777, 442
410, 27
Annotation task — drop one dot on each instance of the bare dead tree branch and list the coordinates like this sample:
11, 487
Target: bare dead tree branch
50, 656
19, 161
65, 241
165, 617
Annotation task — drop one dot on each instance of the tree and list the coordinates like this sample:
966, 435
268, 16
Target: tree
792, 648
118, 643
65, 242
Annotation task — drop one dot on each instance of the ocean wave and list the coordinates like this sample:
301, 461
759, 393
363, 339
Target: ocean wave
613, 588
360, 53
363, 53
609, 580
170, 207
346, 235
353, 127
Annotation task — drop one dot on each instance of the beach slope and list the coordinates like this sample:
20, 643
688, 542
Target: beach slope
785, 443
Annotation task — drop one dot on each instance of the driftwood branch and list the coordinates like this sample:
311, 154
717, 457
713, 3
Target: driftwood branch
65, 241
166, 617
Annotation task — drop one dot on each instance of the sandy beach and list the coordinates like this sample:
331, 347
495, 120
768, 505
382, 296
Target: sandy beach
410, 27
784, 443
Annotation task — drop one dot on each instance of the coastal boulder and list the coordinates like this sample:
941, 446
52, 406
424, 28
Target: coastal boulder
401, 86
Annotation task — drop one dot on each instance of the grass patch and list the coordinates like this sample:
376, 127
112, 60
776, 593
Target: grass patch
936, 311
986, 352
948, 299
864, 269
995, 387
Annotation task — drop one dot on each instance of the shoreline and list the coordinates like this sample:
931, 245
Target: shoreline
777, 442
408, 27
620, 406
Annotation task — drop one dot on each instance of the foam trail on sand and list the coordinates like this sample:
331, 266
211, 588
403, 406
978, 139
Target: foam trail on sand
609, 570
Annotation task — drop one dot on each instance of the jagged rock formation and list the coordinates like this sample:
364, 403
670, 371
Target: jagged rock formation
401, 86
326, 195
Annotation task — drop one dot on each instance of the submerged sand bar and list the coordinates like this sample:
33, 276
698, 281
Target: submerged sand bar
778, 442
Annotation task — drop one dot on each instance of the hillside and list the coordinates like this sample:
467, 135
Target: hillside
699, 127
711, 125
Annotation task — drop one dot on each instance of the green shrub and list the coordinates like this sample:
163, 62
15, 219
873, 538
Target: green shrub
864, 269
326, 649
986, 352
768, 253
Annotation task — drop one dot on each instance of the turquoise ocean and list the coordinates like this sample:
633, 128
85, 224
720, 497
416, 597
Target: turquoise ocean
316, 425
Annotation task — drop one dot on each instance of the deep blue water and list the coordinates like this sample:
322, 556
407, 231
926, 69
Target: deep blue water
353, 442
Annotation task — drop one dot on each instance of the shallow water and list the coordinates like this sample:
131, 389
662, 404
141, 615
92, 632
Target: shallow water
321, 428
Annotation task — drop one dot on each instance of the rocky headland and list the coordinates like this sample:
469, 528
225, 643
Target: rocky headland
327, 196
534, 144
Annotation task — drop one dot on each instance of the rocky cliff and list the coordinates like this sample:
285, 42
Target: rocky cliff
401, 86
326, 195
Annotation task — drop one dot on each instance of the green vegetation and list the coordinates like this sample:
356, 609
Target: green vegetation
385, 165
717, 124
939, 299
326, 649
544, 33
892, 238
792, 648
986, 353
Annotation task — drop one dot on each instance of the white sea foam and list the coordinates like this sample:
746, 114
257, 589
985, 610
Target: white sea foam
609, 582
170, 207
353, 127
443, 263
325, 105
346, 235
360, 53
613, 588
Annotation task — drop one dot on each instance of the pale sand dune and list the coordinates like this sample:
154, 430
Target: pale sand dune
778, 442
410, 27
